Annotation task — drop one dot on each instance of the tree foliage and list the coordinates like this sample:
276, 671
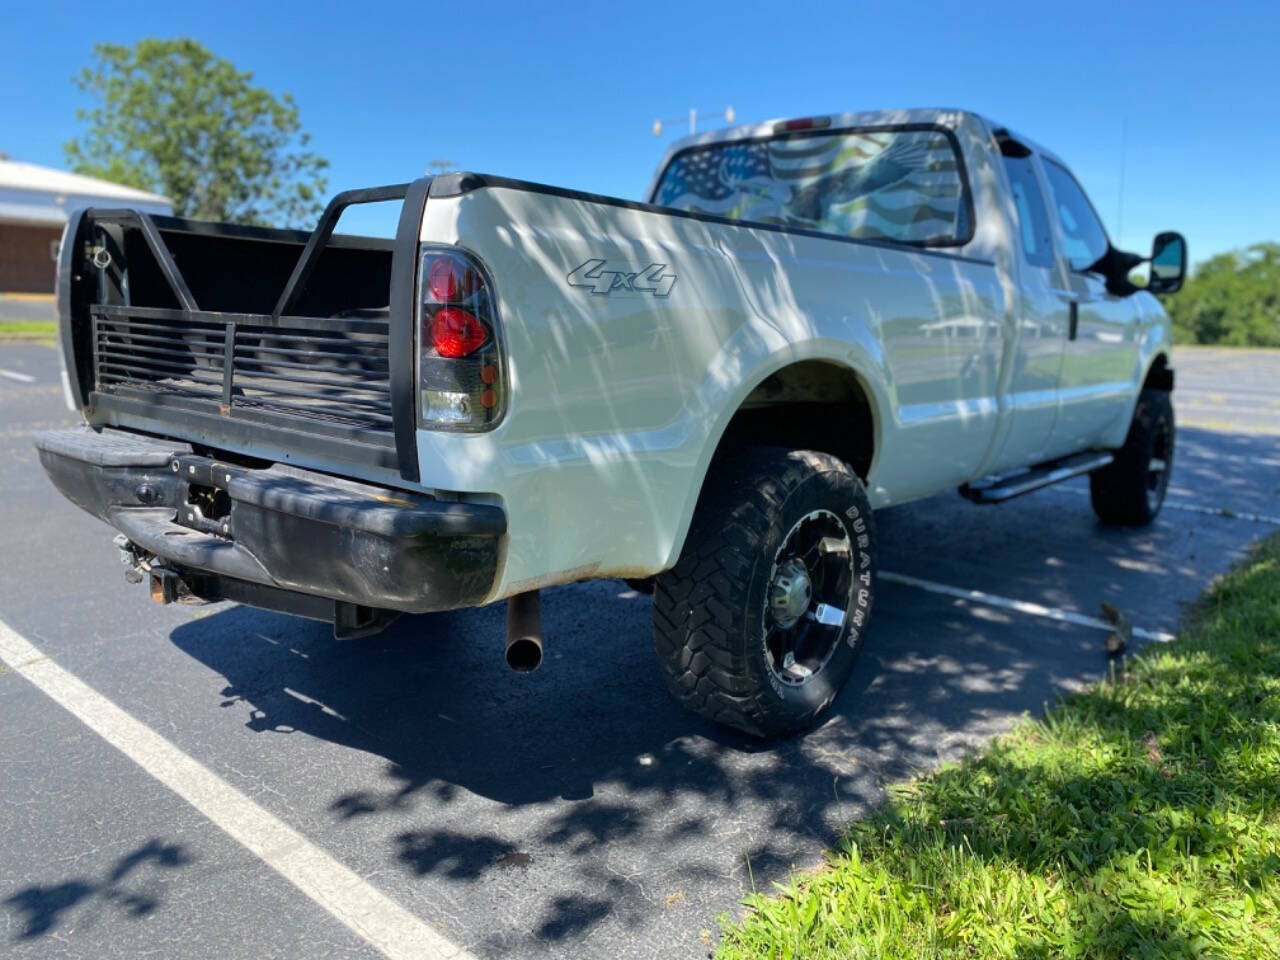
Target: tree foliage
1232, 299
174, 118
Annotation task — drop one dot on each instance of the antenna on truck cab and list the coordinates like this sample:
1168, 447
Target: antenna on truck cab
1124, 140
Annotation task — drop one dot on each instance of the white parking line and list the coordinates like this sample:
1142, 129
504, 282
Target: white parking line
20, 377
1184, 450
1020, 606
1226, 512
384, 924
1225, 408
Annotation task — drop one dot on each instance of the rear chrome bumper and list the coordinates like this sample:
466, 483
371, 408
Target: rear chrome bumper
278, 537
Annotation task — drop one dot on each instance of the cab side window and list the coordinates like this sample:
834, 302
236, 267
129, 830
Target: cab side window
1033, 219
1083, 238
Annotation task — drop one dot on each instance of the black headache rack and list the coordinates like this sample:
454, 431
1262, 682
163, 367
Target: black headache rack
274, 344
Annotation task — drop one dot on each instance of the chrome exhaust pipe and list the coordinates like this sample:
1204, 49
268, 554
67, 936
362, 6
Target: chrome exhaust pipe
524, 632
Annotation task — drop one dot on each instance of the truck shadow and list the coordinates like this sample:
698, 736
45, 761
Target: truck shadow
588, 761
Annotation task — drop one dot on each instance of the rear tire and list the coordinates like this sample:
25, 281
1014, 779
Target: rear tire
1130, 490
761, 621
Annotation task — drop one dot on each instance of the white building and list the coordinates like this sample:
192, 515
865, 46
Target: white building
34, 204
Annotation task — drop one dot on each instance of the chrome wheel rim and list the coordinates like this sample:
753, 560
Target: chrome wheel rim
807, 597
1159, 465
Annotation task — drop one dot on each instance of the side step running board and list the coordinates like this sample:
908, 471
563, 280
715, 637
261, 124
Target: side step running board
1000, 489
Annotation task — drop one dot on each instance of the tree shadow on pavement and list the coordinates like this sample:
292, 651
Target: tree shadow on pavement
42, 908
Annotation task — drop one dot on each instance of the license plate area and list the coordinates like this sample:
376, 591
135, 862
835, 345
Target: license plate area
205, 504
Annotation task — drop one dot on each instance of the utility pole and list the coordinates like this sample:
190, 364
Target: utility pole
660, 125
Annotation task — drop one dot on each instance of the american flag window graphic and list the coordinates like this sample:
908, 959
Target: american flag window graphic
905, 186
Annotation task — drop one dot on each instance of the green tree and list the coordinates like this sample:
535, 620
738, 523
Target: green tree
174, 118
1232, 299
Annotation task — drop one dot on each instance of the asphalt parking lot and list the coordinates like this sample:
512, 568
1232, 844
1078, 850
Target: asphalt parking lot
28, 308
574, 813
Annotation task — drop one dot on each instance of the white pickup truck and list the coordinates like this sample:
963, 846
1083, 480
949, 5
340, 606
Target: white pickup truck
707, 394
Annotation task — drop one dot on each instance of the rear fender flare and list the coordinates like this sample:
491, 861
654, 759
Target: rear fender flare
868, 366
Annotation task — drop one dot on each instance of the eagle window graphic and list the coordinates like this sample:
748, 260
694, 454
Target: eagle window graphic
903, 185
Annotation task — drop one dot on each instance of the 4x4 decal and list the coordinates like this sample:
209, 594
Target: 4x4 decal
652, 279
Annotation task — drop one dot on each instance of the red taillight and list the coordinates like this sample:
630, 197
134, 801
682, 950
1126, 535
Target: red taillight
459, 370
450, 280
456, 333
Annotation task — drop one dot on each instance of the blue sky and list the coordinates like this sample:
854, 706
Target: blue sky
567, 93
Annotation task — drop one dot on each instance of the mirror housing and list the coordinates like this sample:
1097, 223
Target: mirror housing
1114, 267
1168, 263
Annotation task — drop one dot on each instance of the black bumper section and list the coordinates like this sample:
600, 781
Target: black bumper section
282, 537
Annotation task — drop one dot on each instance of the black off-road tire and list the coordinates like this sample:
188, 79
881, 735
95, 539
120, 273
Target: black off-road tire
709, 611
1130, 490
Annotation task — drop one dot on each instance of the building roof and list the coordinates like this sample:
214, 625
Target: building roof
30, 193
30, 176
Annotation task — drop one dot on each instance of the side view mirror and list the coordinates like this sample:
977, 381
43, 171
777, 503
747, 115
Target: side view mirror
1168, 263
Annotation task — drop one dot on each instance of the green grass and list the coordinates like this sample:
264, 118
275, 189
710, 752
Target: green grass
28, 330
1140, 818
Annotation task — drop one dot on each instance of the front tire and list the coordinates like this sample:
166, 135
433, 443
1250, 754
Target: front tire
1130, 490
761, 621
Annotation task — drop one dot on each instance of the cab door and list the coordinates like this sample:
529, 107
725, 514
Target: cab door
1041, 317
1100, 355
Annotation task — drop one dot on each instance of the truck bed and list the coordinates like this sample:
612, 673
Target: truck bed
266, 343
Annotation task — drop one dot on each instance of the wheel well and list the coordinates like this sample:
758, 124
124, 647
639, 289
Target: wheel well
1159, 375
811, 405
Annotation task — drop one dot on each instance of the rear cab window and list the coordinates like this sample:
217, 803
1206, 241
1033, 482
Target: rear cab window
1033, 218
903, 184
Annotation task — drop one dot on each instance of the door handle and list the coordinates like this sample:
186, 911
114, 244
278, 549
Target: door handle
1073, 320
